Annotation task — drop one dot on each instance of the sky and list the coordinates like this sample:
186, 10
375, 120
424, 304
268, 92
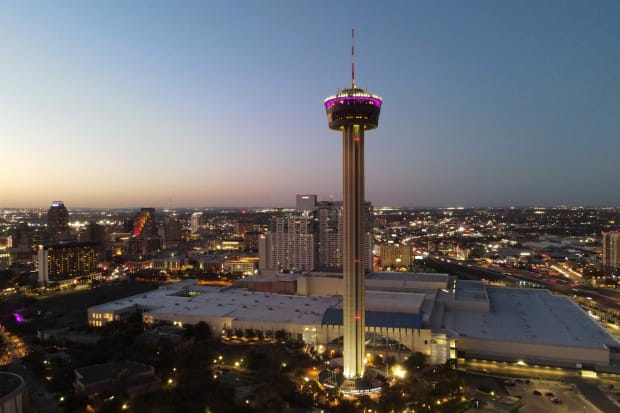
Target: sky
198, 104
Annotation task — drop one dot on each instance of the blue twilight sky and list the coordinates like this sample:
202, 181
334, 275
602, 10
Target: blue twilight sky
151, 103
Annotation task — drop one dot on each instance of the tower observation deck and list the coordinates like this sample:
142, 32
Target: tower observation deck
353, 111
351, 107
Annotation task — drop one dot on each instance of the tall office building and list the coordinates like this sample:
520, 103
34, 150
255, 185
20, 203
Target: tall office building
195, 222
611, 252
395, 255
57, 221
5, 260
330, 228
305, 203
250, 241
288, 245
6, 243
94, 233
66, 261
326, 226
330, 222
22, 236
145, 239
173, 229
144, 223
353, 111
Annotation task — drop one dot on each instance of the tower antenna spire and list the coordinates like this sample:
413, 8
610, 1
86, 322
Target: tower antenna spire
353, 57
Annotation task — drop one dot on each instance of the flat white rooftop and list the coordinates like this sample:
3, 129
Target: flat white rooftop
389, 301
470, 291
531, 316
520, 315
188, 299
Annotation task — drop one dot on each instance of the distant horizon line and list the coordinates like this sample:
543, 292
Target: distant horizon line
459, 207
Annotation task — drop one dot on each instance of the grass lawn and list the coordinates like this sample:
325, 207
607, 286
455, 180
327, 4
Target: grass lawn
68, 309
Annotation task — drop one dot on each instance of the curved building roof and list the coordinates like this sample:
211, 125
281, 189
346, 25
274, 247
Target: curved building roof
9, 382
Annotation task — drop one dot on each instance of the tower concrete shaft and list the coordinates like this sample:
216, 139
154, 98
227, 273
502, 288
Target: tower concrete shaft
354, 325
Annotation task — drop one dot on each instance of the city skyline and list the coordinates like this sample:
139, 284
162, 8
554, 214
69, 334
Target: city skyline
207, 105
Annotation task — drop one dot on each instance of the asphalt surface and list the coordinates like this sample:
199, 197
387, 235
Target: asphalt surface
41, 401
592, 392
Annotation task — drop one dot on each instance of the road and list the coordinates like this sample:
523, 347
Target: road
577, 394
41, 400
590, 389
14, 345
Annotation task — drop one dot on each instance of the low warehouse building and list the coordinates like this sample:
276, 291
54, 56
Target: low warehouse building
434, 314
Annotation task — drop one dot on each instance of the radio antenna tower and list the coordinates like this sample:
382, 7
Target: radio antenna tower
353, 58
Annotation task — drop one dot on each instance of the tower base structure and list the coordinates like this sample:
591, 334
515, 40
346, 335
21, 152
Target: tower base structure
372, 382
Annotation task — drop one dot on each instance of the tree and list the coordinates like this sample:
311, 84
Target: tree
345, 406
391, 400
377, 360
366, 403
34, 361
416, 361
202, 331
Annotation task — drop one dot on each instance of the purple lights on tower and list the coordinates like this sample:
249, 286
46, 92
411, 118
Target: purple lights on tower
370, 100
351, 107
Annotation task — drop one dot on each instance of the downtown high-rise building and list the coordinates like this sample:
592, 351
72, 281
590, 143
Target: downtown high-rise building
289, 245
173, 229
196, 220
66, 261
611, 252
58, 222
145, 238
330, 228
305, 203
6, 243
395, 255
94, 233
144, 223
285, 247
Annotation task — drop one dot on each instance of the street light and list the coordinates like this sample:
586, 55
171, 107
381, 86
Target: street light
399, 372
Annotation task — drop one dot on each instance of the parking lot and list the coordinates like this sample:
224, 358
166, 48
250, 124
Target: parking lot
549, 396
537, 395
